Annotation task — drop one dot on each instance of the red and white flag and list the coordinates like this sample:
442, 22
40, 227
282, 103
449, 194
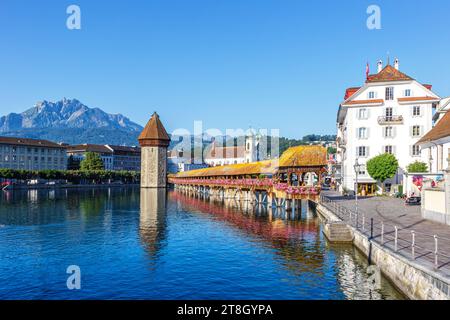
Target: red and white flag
367, 71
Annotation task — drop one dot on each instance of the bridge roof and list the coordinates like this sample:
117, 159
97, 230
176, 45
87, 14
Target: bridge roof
301, 156
304, 156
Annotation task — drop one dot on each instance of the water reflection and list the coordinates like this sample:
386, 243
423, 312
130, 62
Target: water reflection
152, 219
297, 239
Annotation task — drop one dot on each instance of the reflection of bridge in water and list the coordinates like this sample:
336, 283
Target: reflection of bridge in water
298, 242
283, 182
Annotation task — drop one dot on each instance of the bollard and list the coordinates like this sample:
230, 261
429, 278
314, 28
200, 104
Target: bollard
436, 252
413, 243
382, 232
396, 238
363, 222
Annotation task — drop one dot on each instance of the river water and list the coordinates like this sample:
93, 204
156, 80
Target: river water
147, 244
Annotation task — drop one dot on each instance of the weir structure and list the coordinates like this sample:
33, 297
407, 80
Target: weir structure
297, 175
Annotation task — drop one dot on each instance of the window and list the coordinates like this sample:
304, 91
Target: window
363, 114
389, 93
362, 152
416, 111
415, 151
416, 131
371, 95
362, 170
408, 93
388, 112
389, 132
362, 133
388, 149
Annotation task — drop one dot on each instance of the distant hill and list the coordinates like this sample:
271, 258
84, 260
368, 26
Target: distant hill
70, 121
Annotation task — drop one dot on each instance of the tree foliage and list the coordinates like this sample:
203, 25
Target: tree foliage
417, 167
382, 167
92, 161
72, 176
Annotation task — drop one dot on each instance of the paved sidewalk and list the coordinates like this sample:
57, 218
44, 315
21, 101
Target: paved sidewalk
393, 212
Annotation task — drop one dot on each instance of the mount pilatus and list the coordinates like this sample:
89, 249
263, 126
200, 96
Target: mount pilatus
70, 121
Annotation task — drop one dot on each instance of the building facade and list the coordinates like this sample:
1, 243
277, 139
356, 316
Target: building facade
390, 113
225, 155
115, 158
78, 152
126, 158
436, 143
31, 154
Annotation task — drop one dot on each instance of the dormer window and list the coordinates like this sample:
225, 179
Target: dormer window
408, 93
372, 95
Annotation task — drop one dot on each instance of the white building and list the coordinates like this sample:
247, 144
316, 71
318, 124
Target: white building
389, 113
436, 143
249, 152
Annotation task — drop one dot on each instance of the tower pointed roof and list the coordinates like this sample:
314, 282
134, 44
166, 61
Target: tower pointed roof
389, 73
154, 133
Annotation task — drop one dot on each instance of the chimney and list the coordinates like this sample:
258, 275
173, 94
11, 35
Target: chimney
396, 63
379, 66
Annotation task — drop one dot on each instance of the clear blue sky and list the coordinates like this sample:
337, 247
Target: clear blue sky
231, 63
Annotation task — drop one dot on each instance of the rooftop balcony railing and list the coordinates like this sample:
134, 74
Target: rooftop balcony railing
390, 120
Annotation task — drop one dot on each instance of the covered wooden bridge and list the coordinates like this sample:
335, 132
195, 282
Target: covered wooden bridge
296, 175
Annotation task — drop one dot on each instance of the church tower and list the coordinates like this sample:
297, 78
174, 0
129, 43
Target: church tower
251, 147
154, 141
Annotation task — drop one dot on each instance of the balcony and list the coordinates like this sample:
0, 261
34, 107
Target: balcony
390, 120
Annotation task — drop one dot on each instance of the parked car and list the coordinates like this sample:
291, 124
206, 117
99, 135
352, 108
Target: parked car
413, 201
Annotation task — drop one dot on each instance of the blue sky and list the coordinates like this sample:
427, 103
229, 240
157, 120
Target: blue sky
230, 63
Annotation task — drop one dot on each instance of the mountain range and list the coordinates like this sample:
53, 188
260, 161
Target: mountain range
70, 121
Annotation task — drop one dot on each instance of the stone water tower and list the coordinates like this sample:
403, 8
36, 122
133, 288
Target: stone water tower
154, 141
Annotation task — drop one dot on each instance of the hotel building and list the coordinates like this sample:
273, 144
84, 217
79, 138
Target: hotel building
390, 113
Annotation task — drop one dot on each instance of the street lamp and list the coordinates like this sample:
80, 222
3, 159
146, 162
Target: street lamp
357, 168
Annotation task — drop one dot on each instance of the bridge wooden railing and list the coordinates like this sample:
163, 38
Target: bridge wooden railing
253, 184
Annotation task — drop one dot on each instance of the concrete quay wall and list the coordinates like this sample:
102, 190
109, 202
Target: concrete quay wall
416, 281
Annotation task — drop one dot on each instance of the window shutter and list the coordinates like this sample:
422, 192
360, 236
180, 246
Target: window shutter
411, 151
411, 131
394, 149
367, 113
394, 132
367, 133
421, 131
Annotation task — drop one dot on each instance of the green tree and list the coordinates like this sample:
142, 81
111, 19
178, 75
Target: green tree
382, 167
417, 167
331, 150
91, 162
72, 163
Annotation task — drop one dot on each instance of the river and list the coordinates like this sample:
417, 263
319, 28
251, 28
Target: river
148, 244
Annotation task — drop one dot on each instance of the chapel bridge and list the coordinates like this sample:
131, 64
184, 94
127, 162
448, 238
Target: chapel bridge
296, 175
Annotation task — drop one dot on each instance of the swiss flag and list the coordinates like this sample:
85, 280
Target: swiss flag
367, 70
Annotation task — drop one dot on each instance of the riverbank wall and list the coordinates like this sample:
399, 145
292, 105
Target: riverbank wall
416, 281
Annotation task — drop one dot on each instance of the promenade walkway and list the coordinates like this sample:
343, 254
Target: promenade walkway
425, 242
